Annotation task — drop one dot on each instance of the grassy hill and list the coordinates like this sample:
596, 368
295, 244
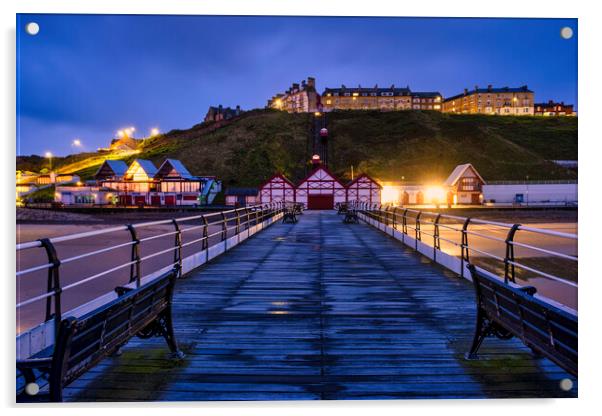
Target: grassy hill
419, 145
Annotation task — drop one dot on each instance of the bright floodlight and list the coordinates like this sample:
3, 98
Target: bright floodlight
77, 142
48, 155
154, 131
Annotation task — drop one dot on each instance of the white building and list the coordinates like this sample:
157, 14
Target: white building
84, 195
531, 193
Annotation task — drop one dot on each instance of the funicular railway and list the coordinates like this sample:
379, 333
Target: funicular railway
316, 309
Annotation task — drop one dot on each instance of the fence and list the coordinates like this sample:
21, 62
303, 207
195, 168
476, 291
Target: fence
425, 232
219, 231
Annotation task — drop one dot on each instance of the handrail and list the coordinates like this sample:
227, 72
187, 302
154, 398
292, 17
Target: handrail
240, 218
386, 216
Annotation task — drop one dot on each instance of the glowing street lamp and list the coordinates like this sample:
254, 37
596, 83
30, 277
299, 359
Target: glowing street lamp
154, 132
77, 143
48, 156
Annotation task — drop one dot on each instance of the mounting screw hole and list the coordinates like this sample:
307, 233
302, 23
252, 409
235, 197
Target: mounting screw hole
566, 384
32, 389
566, 32
32, 28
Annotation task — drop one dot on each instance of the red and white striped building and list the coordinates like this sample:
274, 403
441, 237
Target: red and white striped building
277, 189
320, 190
364, 189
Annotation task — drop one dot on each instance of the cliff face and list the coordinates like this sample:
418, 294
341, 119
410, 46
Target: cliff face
418, 145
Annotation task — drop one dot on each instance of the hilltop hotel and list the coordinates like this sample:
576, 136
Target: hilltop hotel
384, 99
515, 101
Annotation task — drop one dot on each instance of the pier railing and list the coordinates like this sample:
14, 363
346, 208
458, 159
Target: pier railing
454, 241
215, 232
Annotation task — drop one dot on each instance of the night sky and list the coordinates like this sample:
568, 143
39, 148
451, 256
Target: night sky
86, 76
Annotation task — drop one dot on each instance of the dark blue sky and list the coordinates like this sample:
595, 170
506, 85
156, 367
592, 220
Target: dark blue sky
86, 76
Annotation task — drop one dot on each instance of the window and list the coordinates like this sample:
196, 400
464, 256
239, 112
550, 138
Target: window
329, 102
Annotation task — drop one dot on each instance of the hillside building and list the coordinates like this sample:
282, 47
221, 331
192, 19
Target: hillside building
495, 101
376, 98
220, 113
298, 98
552, 108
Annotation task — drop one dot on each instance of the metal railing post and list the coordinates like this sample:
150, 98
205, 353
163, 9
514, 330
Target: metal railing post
436, 240
205, 244
509, 270
224, 226
177, 257
237, 221
404, 222
135, 268
54, 283
464, 256
395, 218
247, 218
417, 233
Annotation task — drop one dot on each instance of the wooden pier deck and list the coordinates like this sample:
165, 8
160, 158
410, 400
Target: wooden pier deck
321, 310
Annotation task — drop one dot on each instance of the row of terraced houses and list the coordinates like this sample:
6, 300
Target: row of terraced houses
516, 101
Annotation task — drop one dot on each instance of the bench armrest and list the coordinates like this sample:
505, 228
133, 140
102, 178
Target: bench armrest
34, 363
529, 290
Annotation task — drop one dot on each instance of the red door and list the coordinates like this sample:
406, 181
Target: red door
170, 200
320, 202
474, 199
139, 200
125, 200
155, 200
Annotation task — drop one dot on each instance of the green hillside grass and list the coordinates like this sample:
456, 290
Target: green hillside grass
418, 145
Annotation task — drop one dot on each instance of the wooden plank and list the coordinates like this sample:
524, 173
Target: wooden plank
321, 310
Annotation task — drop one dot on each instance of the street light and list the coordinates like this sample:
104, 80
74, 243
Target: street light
48, 155
154, 132
77, 143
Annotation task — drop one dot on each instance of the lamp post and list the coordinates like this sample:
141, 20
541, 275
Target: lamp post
527, 189
49, 157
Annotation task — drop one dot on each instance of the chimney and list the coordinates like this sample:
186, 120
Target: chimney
465, 91
476, 88
238, 110
311, 82
219, 109
392, 86
489, 87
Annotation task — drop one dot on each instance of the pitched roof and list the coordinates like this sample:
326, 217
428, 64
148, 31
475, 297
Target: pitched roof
359, 90
119, 167
277, 175
458, 172
174, 164
318, 168
363, 175
147, 166
490, 91
428, 94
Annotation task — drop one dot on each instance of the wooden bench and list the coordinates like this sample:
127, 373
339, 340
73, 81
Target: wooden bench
505, 311
350, 217
298, 209
83, 342
289, 216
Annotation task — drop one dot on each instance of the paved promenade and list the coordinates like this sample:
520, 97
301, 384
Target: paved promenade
321, 310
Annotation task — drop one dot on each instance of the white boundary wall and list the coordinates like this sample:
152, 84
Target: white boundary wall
42, 336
